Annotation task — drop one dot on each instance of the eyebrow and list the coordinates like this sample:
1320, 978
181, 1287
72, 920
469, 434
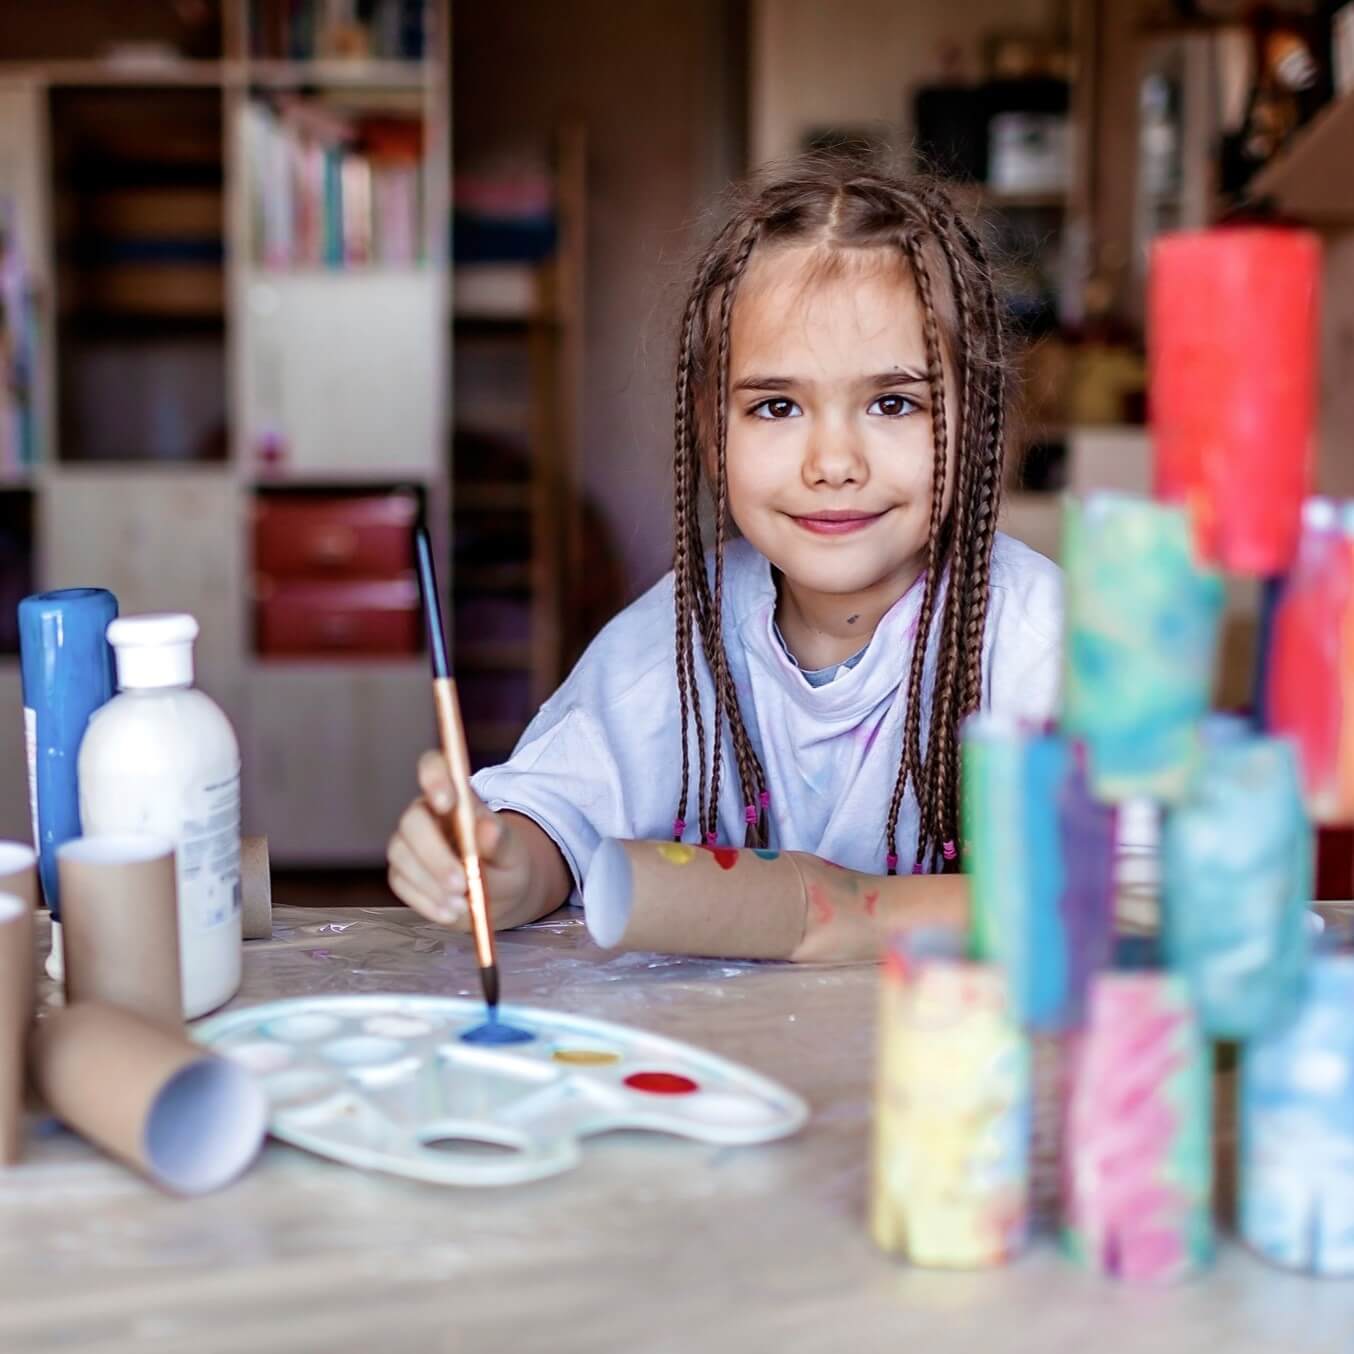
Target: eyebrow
905, 376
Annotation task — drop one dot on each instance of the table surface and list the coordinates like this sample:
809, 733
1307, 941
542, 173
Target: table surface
652, 1243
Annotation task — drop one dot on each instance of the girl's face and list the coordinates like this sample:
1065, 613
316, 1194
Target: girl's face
830, 449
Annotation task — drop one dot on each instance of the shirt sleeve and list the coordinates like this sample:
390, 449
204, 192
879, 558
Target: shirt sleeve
563, 777
1024, 666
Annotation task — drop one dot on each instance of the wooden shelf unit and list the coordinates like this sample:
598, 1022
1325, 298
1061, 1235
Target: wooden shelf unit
352, 365
534, 311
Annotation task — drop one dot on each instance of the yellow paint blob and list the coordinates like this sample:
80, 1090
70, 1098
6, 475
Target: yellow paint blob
585, 1057
677, 853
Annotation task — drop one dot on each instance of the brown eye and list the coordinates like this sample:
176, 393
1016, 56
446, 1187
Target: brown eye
776, 409
892, 406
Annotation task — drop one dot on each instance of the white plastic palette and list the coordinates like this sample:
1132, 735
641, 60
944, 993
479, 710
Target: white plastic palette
375, 1081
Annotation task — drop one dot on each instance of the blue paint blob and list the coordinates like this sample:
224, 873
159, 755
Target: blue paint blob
496, 1031
763, 854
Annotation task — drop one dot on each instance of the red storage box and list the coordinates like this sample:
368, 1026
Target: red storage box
317, 620
334, 536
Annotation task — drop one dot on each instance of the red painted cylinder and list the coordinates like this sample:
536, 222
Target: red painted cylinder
1311, 660
1233, 353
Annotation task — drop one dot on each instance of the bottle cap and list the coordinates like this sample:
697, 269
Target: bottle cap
153, 651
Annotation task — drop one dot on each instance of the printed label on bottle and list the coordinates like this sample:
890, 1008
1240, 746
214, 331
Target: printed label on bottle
31, 751
209, 857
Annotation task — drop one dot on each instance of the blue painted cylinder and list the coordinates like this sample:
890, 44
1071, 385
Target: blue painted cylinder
68, 673
1297, 1130
1237, 878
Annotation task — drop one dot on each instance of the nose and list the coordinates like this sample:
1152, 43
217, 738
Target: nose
834, 457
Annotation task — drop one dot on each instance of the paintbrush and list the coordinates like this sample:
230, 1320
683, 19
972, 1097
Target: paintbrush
452, 733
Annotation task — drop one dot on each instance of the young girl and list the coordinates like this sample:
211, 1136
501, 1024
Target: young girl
841, 385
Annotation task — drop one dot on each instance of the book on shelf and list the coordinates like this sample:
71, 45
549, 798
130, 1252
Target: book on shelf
335, 191
338, 30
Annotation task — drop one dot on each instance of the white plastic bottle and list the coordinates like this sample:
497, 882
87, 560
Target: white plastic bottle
161, 758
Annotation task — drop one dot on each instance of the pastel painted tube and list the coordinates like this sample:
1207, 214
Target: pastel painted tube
1297, 1130
952, 1115
1140, 642
1138, 1145
1310, 669
1041, 860
1237, 880
730, 903
1232, 345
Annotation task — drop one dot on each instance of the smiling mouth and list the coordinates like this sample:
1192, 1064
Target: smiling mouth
836, 521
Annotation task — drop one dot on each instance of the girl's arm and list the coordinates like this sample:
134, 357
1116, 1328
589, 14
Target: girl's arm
524, 874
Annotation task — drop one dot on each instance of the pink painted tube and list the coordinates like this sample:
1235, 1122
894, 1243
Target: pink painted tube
1232, 351
1138, 1149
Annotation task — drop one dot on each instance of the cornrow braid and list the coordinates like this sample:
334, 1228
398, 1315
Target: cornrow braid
841, 206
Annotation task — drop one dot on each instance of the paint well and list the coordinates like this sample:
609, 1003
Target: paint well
661, 1083
363, 1051
397, 1027
299, 1029
496, 1031
260, 1058
586, 1057
734, 1111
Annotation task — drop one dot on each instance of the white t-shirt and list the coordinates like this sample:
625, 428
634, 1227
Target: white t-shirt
602, 758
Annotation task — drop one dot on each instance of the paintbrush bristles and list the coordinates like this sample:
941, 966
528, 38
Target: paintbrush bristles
432, 605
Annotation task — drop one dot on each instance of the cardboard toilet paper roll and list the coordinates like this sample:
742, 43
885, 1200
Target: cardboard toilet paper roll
726, 903
1138, 1151
1139, 644
256, 889
189, 1122
16, 1014
952, 1115
19, 872
121, 921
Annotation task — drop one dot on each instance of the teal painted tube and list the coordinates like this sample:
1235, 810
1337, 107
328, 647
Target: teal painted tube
1140, 643
1041, 864
1237, 878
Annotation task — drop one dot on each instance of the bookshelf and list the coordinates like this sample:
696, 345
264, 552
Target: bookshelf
188, 363
517, 325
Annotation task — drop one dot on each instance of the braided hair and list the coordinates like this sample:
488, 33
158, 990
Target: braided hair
845, 205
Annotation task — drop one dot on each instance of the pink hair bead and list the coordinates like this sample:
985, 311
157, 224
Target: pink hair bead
678, 827
948, 850
891, 860
750, 815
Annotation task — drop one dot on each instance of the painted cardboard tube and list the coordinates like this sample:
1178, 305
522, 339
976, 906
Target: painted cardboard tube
121, 922
189, 1122
1139, 646
16, 1014
1237, 867
1042, 859
1138, 1149
952, 1114
256, 889
725, 903
1297, 1130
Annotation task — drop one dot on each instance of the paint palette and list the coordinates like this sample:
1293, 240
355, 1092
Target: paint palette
422, 1087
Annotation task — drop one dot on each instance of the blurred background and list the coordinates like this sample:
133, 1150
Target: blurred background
280, 278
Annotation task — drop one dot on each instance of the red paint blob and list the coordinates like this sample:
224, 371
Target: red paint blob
726, 857
661, 1083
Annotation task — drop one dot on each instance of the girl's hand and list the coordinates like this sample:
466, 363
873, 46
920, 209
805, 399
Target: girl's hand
425, 871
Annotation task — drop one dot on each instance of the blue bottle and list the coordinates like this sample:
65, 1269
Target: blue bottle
68, 673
